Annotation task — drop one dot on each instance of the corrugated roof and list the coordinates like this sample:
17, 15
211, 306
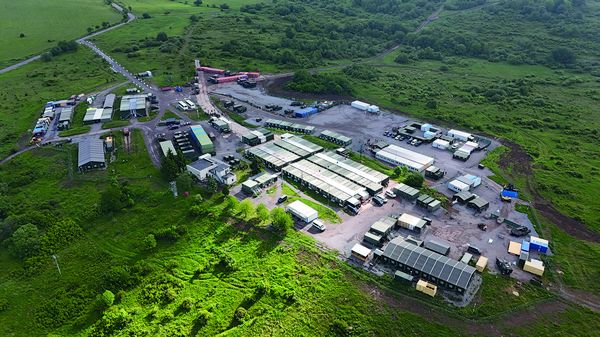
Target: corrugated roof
451, 271
109, 101
201, 135
90, 150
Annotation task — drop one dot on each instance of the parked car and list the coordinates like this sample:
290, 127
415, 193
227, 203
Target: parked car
282, 199
318, 224
390, 194
378, 200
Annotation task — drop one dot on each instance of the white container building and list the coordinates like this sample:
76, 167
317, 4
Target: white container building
458, 186
302, 211
360, 105
460, 135
411, 222
400, 156
441, 144
470, 179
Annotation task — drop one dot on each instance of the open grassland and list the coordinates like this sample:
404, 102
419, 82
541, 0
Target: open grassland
44, 23
25, 91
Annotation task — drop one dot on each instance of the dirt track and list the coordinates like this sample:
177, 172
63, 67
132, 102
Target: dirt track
520, 162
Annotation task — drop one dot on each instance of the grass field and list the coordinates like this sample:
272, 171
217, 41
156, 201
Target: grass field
25, 91
44, 23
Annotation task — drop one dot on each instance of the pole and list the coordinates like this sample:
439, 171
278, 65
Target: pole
56, 262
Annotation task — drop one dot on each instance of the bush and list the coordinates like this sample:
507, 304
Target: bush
414, 179
149, 242
146, 16
187, 304
25, 241
107, 299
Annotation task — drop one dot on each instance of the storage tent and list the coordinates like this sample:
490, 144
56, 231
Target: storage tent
437, 246
302, 211
306, 112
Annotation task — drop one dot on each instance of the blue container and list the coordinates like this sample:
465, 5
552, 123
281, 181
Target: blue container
543, 249
525, 246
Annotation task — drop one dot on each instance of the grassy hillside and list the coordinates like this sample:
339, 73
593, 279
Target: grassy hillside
270, 36
44, 23
207, 274
24, 91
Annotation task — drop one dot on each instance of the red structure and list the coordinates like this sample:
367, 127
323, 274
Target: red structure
251, 74
229, 79
211, 70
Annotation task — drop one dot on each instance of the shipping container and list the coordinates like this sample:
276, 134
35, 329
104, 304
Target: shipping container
211, 70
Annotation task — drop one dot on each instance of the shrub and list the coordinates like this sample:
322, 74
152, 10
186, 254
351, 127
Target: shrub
107, 298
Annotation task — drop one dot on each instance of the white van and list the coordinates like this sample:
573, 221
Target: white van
183, 106
191, 104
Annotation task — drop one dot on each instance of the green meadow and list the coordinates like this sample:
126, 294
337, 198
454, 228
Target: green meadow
44, 23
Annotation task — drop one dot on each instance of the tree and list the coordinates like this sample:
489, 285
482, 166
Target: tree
281, 221
211, 184
146, 16
400, 171
225, 189
185, 182
150, 242
563, 55
194, 18
262, 213
245, 210
255, 166
414, 179
197, 2
162, 36
224, 6
107, 298
25, 241
22, 35
169, 167
115, 197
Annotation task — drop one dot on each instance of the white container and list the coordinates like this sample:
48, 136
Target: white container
360, 105
458, 186
441, 144
460, 135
